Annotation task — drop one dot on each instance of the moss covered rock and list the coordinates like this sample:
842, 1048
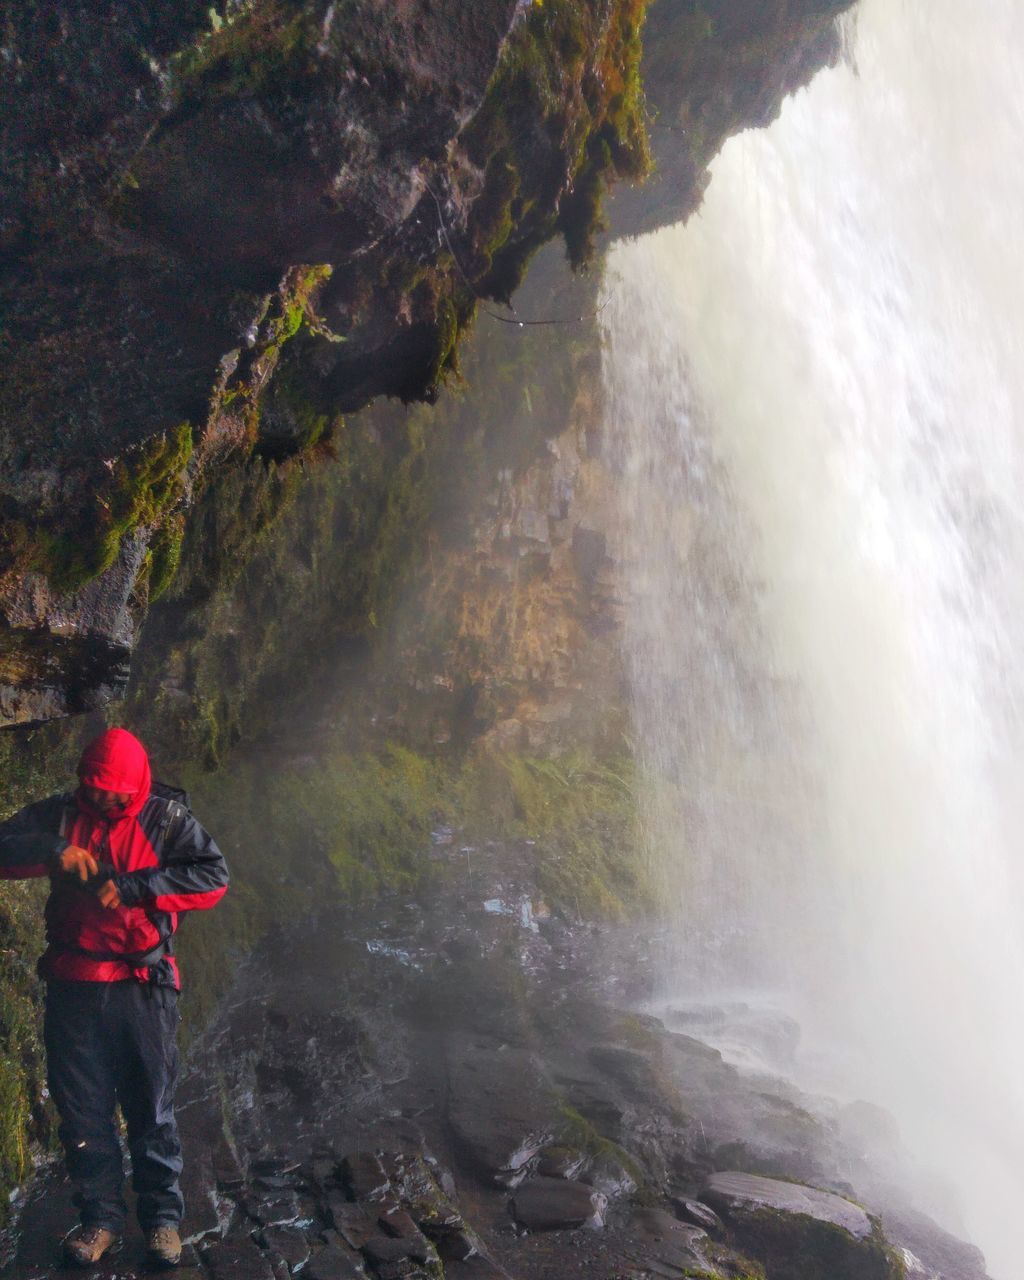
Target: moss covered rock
801, 1233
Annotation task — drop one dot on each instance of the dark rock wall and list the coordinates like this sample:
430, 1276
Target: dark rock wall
184, 204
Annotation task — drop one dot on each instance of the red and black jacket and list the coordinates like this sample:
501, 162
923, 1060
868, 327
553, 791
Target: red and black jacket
163, 863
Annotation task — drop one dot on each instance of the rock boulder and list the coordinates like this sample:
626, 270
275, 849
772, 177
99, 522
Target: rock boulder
553, 1204
800, 1232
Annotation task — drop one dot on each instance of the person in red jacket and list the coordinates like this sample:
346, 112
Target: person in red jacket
125, 858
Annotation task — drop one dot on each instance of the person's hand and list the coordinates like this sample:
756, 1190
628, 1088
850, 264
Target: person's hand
79, 862
109, 896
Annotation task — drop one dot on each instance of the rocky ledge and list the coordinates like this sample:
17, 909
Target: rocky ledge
461, 1087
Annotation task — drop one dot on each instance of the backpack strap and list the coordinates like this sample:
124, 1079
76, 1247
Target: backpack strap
169, 827
66, 810
171, 823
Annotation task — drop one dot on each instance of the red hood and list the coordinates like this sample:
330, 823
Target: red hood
117, 761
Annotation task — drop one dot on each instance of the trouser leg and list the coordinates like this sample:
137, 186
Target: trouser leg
81, 1078
146, 1078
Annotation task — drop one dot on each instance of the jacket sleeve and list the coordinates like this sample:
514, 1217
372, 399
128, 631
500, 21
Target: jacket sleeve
192, 877
29, 840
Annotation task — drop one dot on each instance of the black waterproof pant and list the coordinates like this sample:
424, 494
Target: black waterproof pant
110, 1043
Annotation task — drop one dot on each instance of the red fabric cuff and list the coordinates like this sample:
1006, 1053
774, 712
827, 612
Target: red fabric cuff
189, 901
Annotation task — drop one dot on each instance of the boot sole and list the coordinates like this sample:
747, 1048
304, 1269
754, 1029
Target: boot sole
155, 1263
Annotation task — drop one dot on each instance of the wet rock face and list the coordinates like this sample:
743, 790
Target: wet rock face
930, 1252
742, 1194
671, 1248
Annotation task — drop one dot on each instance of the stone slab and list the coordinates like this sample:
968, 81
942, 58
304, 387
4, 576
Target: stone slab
747, 1193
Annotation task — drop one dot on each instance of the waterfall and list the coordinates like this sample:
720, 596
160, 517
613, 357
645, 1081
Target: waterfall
815, 401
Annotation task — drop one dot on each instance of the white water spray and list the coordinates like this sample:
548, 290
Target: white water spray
817, 391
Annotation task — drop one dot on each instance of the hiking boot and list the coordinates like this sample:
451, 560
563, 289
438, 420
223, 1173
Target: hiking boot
163, 1247
86, 1245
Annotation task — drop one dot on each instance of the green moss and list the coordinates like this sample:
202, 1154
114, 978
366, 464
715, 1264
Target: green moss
446, 337
386, 525
370, 814
374, 812
577, 1131
355, 520
261, 49
296, 419
639, 1032
570, 75
165, 553
285, 314
580, 217
349, 827
296, 302
495, 212
379, 809
733, 1267
26, 1121
145, 492
143, 488
698, 1273
584, 813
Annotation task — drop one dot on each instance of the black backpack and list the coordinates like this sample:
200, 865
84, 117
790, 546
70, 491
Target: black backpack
176, 810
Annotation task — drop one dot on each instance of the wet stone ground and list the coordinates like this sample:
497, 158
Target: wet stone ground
458, 1085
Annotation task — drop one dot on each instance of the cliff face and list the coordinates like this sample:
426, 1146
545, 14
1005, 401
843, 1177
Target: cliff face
186, 204
222, 228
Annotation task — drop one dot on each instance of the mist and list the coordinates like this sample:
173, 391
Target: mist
814, 390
